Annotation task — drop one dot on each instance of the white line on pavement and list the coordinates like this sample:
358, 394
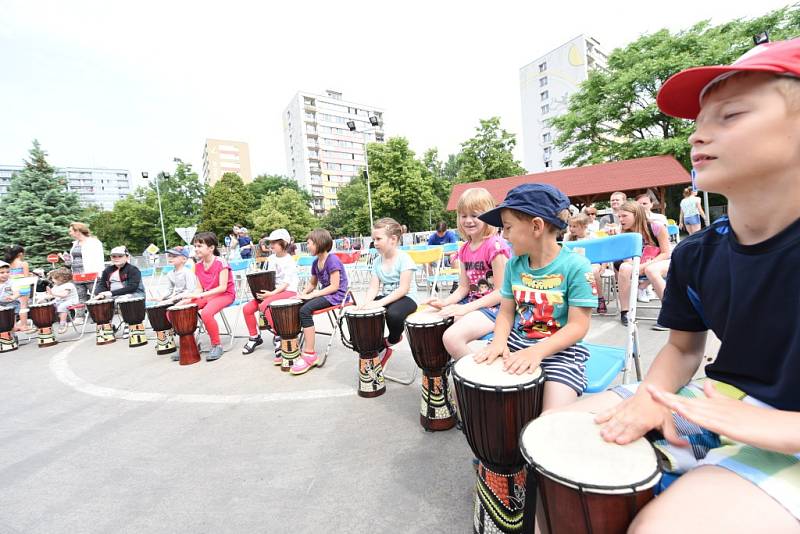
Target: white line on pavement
59, 365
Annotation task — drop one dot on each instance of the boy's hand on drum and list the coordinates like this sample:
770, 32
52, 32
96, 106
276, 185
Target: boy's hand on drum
634, 417
490, 352
519, 362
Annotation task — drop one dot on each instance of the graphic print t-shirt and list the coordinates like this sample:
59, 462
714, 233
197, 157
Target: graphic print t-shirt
477, 263
543, 296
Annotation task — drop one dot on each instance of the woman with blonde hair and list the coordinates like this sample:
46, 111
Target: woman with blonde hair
85, 258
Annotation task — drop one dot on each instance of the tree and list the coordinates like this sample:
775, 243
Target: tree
182, 196
271, 183
38, 209
227, 202
488, 154
402, 188
285, 208
614, 116
351, 215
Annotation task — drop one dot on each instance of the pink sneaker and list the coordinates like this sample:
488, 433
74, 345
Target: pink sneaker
387, 352
277, 360
304, 363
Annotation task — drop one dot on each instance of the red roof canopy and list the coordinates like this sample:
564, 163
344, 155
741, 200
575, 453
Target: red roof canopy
627, 175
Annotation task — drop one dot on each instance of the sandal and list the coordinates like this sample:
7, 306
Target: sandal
251, 345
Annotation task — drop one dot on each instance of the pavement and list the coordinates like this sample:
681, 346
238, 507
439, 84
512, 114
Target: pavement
117, 439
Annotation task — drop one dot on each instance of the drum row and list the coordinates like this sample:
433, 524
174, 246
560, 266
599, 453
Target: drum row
573, 480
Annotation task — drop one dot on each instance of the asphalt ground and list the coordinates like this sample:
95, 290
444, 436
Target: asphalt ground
117, 439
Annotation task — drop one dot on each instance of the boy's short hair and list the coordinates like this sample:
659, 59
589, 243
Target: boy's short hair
681, 95
322, 239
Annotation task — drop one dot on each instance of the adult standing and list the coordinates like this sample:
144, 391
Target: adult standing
610, 222
442, 235
85, 258
691, 211
245, 244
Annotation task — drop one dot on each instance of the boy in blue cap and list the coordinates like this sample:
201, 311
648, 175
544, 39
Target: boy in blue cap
548, 294
735, 434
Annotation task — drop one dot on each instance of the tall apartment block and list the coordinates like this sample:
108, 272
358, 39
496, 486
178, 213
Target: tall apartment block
221, 156
546, 84
322, 153
101, 187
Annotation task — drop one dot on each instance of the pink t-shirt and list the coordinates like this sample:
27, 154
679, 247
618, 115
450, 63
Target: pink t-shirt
209, 278
476, 263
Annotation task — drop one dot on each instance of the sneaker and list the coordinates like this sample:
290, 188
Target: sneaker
125, 332
304, 363
623, 318
176, 356
642, 296
62, 328
276, 343
215, 353
659, 327
251, 345
651, 293
601, 306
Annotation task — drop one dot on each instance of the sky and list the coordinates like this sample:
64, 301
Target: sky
133, 85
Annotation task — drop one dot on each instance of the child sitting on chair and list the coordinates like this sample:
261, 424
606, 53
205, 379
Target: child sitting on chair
329, 273
180, 280
548, 294
64, 293
286, 281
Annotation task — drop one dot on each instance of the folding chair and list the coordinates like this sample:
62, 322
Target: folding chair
26, 286
334, 315
424, 258
605, 362
349, 260
239, 272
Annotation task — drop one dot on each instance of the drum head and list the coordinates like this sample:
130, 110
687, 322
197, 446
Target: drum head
426, 318
567, 447
371, 311
182, 307
129, 299
160, 305
94, 302
285, 302
492, 375
41, 305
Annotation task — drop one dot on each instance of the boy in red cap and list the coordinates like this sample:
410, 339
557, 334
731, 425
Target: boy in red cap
735, 434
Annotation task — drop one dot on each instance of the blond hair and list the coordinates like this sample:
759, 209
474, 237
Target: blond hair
61, 275
390, 226
81, 228
787, 86
475, 200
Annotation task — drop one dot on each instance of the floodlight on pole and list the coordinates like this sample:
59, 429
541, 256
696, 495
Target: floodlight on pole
160, 211
351, 125
761, 38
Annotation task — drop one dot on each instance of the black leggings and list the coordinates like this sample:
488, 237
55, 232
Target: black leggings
306, 311
396, 314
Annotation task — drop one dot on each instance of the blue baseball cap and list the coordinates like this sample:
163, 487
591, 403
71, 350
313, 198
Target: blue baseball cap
179, 251
538, 200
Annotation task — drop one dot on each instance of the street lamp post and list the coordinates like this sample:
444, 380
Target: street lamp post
376, 126
160, 211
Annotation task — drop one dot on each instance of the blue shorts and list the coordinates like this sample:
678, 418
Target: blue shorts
692, 219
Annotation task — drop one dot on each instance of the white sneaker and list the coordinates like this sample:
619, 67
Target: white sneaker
643, 296
651, 293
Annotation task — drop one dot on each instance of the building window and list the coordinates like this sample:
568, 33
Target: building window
546, 137
548, 153
548, 164
543, 66
545, 109
544, 95
543, 81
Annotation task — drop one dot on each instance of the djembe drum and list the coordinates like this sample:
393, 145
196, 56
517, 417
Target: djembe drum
286, 318
102, 312
366, 338
43, 316
425, 331
157, 315
133, 313
494, 406
8, 338
578, 482
184, 321
261, 281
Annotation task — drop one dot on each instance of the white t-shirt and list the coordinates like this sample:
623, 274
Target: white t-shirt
114, 282
71, 298
658, 218
285, 271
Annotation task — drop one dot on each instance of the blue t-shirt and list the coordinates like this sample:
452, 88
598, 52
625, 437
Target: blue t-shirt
543, 296
243, 242
448, 237
749, 297
390, 278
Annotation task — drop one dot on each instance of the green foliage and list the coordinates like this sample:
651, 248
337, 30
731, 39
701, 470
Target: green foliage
285, 208
228, 202
402, 188
271, 183
488, 154
135, 221
351, 215
614, 115
38, 209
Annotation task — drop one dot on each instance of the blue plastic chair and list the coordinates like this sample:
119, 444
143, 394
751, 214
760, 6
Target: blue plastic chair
605, 362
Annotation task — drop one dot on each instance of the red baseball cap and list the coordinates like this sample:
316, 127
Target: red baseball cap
680, 95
